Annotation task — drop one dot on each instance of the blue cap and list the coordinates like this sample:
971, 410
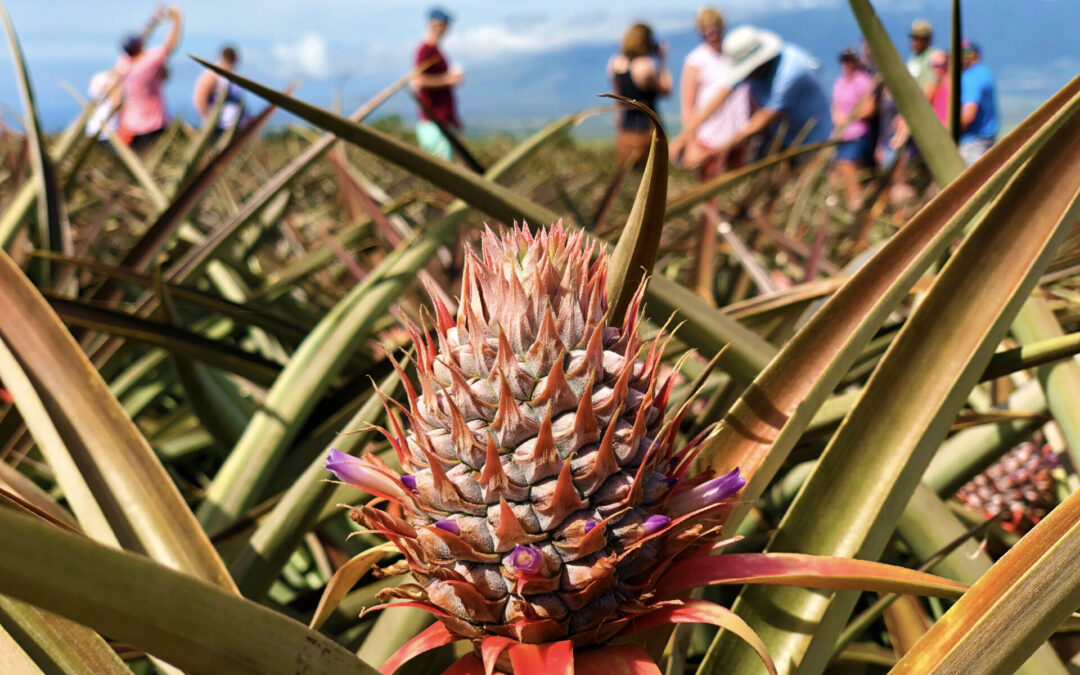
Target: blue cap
132, 45
439, 14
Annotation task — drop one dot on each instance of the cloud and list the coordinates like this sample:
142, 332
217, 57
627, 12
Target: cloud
514, 36
309, 57
520, 33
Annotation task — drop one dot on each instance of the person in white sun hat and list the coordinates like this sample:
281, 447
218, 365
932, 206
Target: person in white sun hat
783, 85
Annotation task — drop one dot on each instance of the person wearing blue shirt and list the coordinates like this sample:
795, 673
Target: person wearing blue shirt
979, 119
783, 83
787, 87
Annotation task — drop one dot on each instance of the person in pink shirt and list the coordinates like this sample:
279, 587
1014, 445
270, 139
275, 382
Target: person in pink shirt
938, 88
852, 104
143, 115
705, 73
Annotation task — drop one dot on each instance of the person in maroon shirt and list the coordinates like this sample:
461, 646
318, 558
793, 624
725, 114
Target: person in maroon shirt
435, 89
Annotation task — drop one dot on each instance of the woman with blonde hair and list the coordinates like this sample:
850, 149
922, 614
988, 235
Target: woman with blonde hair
706, 71
639, 72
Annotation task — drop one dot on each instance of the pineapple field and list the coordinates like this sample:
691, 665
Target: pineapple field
308, 399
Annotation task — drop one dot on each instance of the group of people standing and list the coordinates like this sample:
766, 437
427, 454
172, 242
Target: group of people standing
882, 129
735, 87
131, 97
980, 119
749, 84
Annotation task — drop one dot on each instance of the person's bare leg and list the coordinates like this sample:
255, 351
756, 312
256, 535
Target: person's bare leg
703, 257
847, 175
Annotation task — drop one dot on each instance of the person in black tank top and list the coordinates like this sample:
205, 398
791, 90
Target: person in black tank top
633, 119
638, 72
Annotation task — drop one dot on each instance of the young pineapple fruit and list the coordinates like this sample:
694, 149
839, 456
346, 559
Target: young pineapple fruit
1019, 484
543, 497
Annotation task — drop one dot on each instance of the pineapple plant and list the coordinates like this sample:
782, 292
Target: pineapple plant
1020, 485
544, 505
543, 496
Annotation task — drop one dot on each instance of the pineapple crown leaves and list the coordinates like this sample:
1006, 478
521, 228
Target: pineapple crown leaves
543, 497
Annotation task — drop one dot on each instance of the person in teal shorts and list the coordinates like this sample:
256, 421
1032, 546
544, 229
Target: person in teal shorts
434, 88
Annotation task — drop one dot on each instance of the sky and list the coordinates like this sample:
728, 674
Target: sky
359, 35
347, 42
357, 46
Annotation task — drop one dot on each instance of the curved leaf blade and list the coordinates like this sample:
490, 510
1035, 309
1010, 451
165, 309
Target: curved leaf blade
54, 232
184, 621
872, 465
173, 339
56, 643
1013, 608
804, 571
635, 254
930, 527
434, 636
344, 579
703, 611
129, 486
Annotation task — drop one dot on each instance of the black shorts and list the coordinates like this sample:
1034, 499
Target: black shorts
140, 142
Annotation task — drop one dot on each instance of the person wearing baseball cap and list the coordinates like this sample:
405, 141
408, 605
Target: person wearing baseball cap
979, 117
853, 106
919, 63
783, 85
435, 88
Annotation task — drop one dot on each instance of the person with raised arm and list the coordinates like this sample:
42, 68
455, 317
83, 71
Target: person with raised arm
143, 114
